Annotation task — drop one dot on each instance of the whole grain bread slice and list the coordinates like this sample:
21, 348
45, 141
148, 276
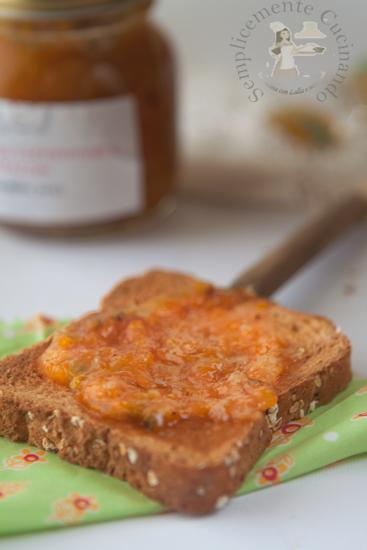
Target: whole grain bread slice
195, 465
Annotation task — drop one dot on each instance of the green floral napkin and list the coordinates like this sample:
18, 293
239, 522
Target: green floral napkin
39, 491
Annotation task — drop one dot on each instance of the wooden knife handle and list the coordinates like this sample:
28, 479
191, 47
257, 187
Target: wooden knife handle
277, 268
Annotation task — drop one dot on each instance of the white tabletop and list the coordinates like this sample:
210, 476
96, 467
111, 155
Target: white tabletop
65, 278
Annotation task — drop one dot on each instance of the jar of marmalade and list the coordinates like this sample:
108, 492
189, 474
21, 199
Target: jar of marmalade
87, 114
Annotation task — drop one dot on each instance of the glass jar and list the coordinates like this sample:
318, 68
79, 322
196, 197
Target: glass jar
87, 114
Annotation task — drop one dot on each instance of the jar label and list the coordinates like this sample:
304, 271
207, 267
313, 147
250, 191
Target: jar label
69, 163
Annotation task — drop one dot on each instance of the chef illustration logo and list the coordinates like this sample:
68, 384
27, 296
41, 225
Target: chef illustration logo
292, 48
285, 51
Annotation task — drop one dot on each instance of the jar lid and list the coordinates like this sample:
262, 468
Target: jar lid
17, 7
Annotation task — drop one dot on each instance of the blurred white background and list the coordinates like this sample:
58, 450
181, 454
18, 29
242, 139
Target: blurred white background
202, 31
219, 129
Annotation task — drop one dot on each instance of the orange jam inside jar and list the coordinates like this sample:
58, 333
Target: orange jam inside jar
200, 356
87, 114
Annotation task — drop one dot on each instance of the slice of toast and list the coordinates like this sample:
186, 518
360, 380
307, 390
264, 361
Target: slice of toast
196, 464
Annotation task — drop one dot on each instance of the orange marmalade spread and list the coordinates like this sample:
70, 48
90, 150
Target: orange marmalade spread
210, 354
87, 114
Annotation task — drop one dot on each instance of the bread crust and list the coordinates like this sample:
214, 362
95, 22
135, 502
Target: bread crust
192, 467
